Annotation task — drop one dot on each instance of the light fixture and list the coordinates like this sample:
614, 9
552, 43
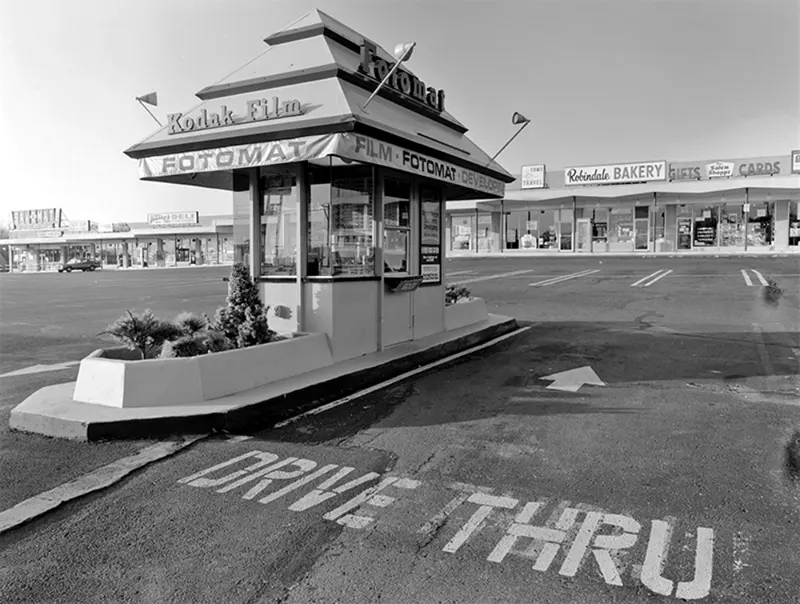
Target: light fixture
402, 52
516, 119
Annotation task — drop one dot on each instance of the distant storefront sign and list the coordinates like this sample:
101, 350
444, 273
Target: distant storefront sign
532, 177
113, 227
796, 162
173, 218
616, 173
729, 168
48, 218
346, 145
77, 226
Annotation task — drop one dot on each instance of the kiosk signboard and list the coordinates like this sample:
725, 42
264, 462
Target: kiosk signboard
430, 253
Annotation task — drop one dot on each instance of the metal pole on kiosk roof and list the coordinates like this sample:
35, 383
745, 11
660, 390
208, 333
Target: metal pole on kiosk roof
406, 51
150, 112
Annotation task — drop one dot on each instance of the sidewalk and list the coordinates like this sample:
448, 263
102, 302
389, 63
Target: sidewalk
571, 254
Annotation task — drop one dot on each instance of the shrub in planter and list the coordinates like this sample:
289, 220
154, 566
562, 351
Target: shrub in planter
243, 320
143, 332
453, 294
772, 292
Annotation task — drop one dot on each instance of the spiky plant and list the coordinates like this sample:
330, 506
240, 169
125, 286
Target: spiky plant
243, 320
143, 332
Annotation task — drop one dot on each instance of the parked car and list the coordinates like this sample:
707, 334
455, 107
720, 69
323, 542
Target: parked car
76, 264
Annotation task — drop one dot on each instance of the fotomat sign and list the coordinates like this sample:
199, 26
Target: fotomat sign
401, 81
615, 174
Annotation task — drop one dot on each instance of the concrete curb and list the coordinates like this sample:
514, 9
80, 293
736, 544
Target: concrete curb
648, 255
250, 416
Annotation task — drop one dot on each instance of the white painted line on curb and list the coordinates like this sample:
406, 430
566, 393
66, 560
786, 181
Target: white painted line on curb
760, 277
40, 369
99, 479
649, 283
454, 273
747, 278
238, 438
646, 278
560, 279
402, 377
489, 277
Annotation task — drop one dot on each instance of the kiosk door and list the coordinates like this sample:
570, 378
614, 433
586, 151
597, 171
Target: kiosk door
398, 244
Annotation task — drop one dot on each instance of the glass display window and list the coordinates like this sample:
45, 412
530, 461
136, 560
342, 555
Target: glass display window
705, 226
760, 224
396, 226
794, 223
731, 225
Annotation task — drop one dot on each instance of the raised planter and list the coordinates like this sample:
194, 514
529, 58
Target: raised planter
466, 313
113, 377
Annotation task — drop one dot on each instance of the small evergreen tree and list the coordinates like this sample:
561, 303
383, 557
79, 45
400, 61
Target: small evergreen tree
143, 332
243, 320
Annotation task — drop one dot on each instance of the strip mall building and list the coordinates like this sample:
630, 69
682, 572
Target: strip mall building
738, 205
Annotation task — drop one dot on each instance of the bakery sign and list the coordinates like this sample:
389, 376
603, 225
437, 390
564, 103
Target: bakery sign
255, 110
615, 174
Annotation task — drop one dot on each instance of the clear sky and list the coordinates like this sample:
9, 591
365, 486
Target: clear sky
602, 81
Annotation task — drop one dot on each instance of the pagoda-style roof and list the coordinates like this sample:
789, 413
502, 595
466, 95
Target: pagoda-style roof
308, 82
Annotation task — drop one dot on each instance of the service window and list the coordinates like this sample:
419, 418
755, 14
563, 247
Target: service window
396, 226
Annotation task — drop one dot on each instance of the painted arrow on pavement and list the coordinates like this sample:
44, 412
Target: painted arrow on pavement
40, 369
572, 380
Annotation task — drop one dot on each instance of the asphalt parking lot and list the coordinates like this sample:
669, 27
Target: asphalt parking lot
492, 486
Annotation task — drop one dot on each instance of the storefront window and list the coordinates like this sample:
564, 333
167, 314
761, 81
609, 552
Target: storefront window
600, 225
620, 229
340, 220
731, 225
641, 227
397, 225
461, 230
705, 226
760, 224
485, 232
684, 219
546, 221
794, 223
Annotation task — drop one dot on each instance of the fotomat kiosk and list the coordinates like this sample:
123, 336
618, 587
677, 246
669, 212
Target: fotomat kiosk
338, 209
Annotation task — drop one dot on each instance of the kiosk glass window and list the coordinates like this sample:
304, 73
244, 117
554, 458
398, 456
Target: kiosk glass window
278, 223
760, 224
396, 225
341, 220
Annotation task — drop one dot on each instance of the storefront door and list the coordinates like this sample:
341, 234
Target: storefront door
399, 243
641, 227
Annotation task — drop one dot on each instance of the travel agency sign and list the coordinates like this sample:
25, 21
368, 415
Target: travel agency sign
616, 174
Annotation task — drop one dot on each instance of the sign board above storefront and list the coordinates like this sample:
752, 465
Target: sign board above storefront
532, 177
401, 81
796, 162
47, 218
173, 218
615, 174
346, 145
256, 110
729, 168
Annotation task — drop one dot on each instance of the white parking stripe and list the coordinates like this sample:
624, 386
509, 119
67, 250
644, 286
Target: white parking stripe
747, 278
554, 280
646, 278
488, 277
760, 276
649, 283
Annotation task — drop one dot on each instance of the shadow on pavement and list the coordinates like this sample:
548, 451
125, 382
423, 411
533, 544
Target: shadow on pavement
506, 380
